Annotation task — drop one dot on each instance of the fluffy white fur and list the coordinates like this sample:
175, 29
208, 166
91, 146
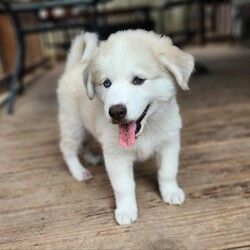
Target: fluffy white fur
84, 110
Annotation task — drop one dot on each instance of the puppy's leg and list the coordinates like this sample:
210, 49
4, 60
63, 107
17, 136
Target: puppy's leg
120, 171
72, 135
168, 160
90, 157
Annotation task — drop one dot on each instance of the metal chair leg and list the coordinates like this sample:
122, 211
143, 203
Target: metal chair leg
16, 76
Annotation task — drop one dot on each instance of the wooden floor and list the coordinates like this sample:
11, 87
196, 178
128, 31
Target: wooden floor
42, 207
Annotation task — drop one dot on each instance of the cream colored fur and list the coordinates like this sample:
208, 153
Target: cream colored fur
84, 105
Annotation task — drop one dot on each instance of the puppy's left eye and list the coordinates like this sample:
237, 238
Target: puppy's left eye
107, 83
138, 80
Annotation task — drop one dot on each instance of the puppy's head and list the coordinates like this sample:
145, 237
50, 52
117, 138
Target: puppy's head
132, 73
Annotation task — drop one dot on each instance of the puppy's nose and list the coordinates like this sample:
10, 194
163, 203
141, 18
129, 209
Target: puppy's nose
118, 112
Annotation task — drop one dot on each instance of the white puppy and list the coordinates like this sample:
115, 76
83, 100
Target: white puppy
128, 104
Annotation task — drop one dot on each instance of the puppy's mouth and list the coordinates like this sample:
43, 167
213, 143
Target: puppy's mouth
129, 131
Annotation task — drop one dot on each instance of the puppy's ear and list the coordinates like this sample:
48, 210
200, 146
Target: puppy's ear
91, 43
178, 62
87, 79
82, 49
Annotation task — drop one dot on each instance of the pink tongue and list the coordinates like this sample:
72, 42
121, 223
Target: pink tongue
127, 134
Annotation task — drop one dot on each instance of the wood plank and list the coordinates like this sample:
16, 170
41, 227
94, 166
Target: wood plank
43, 207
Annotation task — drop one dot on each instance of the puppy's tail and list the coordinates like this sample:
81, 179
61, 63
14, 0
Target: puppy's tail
82, 49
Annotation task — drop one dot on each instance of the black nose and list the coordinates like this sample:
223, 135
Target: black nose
118, 112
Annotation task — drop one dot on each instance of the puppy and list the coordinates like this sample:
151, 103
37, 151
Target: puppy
122, 91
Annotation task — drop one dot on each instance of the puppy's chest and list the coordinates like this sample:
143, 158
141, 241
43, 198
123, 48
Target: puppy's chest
152, 139
146, 146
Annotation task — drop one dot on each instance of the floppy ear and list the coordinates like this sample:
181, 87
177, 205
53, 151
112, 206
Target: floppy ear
87, 79
178, 62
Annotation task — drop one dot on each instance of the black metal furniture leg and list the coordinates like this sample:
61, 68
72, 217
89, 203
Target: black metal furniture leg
19, 62
15, 77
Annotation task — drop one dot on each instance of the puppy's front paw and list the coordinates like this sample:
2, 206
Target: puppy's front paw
125, 216
173, 195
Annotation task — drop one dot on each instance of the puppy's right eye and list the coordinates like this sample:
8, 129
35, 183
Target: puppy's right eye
107, 83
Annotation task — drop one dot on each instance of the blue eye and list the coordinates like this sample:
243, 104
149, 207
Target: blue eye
138, 80
107, 83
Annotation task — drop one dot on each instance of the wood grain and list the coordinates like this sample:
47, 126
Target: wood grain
42, 207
